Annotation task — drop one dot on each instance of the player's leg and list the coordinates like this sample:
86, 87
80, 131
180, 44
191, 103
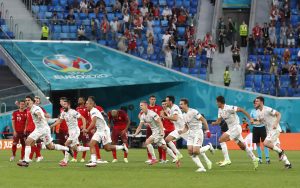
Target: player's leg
198, 141
194, 152
263, 135
94, 141
150, 148
106, 141
38, 151
256, 140
162, 143
148, 134
124, 138
30, 141
85, 142
22, 141
114, 138
222, 140
241, 143
169, 140
16, 139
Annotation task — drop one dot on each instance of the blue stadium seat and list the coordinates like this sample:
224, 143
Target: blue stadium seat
181, 31
64, 36
266, 77
55, 36
194, 71
63, 2
92, 15
170, 3
35, 9
203, 70
179, 3
186, 4
290, 92
249, 78
248, 84
73, 29
265, 90
102, 42
43, 9
86, 22
157, 30
65, 29
185, 70
272, 91
73, 36
162, 2
57, 29
82, 16
282, 92
110, 16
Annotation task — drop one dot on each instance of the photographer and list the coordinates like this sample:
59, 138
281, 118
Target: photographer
235, 49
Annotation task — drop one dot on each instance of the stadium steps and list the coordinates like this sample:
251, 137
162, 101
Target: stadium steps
8, 79
204, 19
27, 24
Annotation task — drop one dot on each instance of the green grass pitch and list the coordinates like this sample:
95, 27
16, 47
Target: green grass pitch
136, 174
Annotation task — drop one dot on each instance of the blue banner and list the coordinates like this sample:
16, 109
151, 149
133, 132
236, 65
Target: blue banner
236, 3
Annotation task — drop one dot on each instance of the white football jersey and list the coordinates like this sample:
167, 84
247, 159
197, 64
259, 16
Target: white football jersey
71, 117
228, 113
179, 124
150, 118
101, 125
39, 124
267, 117
191, 119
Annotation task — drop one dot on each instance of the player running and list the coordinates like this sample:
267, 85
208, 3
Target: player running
119, 122
71, 116
152, 119
228, 113
271, 118
41, 131
193, 123
102, 133
19, 124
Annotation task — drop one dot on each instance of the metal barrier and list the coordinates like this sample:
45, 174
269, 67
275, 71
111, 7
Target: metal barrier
3, 104
21, 35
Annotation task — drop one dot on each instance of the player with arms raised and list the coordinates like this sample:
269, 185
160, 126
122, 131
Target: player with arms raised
228, 113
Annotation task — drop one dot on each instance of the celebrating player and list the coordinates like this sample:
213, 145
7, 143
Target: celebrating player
119, 121
102, 133
228, 113
193, 122
71, 116
19, 123
271, 118
41, 131
153, 120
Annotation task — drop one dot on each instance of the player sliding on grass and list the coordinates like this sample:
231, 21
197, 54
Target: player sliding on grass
152, 119
271, 118
193, 123
228, 113
102, 133
71, 116
41, 131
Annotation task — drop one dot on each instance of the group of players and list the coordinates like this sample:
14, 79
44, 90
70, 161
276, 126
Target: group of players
164, 124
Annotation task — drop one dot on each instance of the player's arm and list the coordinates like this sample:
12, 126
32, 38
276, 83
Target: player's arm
92, 125
83, 121
217, 122
246, 114
138, 129
184, 130
57, 122
26, 123
206, 128
127, 126
278, 117
39, 115
161, 126
172, 118
13, 126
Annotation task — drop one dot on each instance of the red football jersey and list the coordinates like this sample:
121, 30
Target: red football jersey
30, 123
84, 113
120, 122
20, 120
63, 125
157, 109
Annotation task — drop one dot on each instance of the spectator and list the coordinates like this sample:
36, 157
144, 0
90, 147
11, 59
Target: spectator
257, 32
298, 55
132, 43
227, 78
83, 6
104, 27
54, 18
101, 7
165, 39
168, 57
268, 48
298, 35
172, 43
114, 28
207, 38
125, 7
138, 25
179, 56
156, 12
75, 6
235, 49
272, 33
144, 10
245, 126
166, 13
293, 72
71, 17
210, 50
91, 6
94, 26
126, 19
250, 67
251, 44
121, 44
7, 133
290, 37
265, 31
283, 38
231, 30
81, 33
182, 18
150, 49
274, 64
200, 46
285, 68
286, 55
287, 12
221, 24
243, 34
259, 66
150, 23
221, 41
117, 7
191, 56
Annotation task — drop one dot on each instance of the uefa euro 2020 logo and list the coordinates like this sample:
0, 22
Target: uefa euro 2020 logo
67, 63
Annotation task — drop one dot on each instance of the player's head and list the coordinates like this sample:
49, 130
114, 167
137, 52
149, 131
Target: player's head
152, 100
66, 105
90, 103
37, 100
164, 104
22, 104
259, 102
220, 101
170, 100
81, 101
93, 99
144, 106
29, 101
62, 100
114, 113
184, 104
